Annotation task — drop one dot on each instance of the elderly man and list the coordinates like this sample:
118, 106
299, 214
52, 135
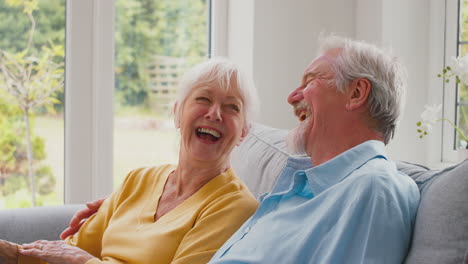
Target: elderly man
352, 205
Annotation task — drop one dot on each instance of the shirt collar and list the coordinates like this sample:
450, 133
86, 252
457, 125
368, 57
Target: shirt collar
299, 162
335, 170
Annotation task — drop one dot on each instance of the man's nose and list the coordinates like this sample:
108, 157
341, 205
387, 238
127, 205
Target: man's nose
214, 113
295, 96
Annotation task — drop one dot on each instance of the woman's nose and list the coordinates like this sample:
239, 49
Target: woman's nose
214, 113
295, 96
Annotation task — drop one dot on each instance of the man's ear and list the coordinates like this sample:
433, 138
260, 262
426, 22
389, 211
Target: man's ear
359, 91
245, 132
176, 115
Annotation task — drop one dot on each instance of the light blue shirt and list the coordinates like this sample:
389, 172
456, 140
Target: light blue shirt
355, 208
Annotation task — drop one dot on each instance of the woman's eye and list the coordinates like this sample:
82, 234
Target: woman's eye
202, 99
235, 107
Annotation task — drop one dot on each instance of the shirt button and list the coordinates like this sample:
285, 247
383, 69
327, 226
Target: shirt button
247, 229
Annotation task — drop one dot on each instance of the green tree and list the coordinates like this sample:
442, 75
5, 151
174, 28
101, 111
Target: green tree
49, 28
32, 79
13, 161
15, 28
145, 28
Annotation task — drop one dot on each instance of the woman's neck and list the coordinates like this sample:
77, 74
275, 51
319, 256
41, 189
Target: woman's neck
189, 177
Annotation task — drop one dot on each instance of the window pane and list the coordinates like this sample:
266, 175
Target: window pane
464, 20
156, 41
462, 120
462, 111
31, 102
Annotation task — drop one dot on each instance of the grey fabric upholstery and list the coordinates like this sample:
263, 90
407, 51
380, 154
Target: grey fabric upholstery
441, 228
260, 158
24, 225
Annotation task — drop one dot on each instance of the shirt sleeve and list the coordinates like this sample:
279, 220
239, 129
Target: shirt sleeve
214, 226
374, 225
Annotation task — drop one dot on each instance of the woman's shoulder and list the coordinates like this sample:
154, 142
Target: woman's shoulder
228, 183
227, 188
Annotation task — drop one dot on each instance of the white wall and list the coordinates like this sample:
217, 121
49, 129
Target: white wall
277, 39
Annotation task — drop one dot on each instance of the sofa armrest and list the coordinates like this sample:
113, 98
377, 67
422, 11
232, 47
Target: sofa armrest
24, 225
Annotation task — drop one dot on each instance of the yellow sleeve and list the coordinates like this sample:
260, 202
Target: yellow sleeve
89, 237
214, 226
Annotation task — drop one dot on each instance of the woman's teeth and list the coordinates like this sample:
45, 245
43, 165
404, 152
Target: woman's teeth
212, 132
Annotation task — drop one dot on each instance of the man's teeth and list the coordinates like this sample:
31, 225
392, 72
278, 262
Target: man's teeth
212, 132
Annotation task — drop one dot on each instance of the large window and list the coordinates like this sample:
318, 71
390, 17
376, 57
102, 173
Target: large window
123, 61
462, 90
31, 103
155, 42
447, 40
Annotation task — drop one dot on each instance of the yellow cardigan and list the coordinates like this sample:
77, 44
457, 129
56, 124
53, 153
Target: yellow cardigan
124, 231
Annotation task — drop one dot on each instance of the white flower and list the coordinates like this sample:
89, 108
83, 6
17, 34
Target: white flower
459, 67
463, 144
430, 116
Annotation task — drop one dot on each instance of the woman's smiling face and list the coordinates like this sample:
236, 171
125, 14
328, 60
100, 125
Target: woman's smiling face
212, 122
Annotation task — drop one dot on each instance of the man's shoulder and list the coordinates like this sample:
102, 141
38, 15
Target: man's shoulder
382, 174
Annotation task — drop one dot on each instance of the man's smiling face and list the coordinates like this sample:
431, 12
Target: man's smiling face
317, 103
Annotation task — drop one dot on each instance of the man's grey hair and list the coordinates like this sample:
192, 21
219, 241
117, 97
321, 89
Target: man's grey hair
385, 73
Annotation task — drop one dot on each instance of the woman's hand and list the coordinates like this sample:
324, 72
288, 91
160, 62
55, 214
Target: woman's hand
55, 252
8, 252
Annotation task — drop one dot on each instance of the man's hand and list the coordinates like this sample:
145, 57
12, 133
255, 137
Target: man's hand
80, 217
55, 252
8, 252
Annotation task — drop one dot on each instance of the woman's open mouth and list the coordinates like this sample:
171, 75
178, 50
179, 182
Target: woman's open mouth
209, 135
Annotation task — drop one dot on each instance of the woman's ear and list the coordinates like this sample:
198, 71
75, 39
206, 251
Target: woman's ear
245, 132
359, 91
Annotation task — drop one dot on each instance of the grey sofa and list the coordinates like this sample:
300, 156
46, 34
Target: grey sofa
441, 229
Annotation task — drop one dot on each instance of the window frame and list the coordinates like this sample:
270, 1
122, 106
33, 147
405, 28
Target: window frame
89, 93
89, 88
448, 133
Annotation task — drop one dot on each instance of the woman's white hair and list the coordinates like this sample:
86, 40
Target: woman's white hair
226, 75
385, 73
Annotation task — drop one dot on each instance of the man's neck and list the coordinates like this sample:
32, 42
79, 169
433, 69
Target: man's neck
332, 146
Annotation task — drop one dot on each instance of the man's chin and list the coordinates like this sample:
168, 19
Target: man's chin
296, 139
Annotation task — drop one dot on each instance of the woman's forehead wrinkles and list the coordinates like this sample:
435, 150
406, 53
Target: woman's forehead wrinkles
232, 94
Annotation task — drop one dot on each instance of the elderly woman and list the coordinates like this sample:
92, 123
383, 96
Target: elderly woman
172, 214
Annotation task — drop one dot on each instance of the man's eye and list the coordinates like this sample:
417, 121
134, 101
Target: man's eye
308, 81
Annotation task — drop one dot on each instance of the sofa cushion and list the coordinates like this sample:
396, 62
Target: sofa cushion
441, 229
261, 157
24, 225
